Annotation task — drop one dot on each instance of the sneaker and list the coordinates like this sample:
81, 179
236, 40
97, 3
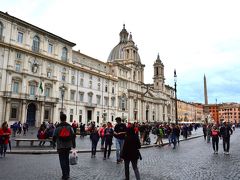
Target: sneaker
227, 153
216, 152
104, 158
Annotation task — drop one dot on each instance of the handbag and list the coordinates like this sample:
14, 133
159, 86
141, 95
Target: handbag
73, 159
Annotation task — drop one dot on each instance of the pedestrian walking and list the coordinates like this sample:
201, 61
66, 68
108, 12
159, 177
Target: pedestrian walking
94, 137
75, 126
209, 129
204, 128
101, 134
5, 133
130, 152
225, 132
65, 138
119, 133
215, 138
108, 134
160, 134
174, 133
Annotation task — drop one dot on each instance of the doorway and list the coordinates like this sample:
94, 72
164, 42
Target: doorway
31, 114
89, 116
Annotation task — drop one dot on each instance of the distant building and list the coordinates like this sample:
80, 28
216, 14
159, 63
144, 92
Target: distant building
229, 112
38, 68
190, 112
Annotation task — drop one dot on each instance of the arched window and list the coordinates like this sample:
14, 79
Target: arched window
36, 43
1, 30
64, 53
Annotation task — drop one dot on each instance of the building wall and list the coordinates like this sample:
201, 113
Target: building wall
24, 69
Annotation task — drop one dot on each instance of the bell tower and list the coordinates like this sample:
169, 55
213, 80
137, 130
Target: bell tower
158, 77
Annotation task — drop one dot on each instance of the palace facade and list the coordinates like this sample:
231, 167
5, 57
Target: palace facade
41, 75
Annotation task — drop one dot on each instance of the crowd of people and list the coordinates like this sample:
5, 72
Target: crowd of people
128, 138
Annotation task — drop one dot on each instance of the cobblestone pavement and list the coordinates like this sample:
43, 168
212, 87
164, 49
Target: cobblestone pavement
82, 143
191, 160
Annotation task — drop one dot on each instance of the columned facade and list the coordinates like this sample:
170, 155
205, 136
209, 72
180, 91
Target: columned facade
41, 75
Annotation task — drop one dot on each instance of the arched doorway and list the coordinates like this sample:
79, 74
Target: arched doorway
31, 114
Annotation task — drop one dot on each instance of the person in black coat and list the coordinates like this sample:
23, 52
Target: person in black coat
94, 137
130, 152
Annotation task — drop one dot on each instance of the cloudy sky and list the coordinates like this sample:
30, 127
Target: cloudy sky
195, 37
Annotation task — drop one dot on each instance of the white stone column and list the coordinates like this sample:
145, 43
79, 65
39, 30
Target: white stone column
23, 115
42, 112
8, 110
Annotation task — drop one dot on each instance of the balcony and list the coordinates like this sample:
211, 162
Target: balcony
90, 105
7, 93
35, 49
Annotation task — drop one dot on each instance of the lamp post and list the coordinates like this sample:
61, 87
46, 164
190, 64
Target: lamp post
62, 95
175, 88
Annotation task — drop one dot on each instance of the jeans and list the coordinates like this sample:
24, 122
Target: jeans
135, 169
108, 146
94, 147
102, 141
119, 146
226, 142
64, 162
3, 149
215, 144
173, 140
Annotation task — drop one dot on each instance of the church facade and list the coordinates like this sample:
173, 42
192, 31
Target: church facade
42, 75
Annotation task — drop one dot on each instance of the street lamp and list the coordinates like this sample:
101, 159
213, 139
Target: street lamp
62, 95
175, 88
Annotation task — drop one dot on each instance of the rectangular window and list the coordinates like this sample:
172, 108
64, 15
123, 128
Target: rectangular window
18, 67
113, 102
99, 86
105, 101
98, 100
15, 87
90, 84
46, 114
71, 118
73, 80
72, 96
81, 82
19, 55
90, 99
63, 77
47, 92
49, 74
32, 90
81, 97
13, 112
112, 90
20, 37
80, 118
50, 48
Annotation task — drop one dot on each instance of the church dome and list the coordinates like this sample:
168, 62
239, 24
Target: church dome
122, 50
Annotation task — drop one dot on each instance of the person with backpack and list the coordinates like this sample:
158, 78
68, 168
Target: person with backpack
215, 138
160, 134
5, 133
64, 136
